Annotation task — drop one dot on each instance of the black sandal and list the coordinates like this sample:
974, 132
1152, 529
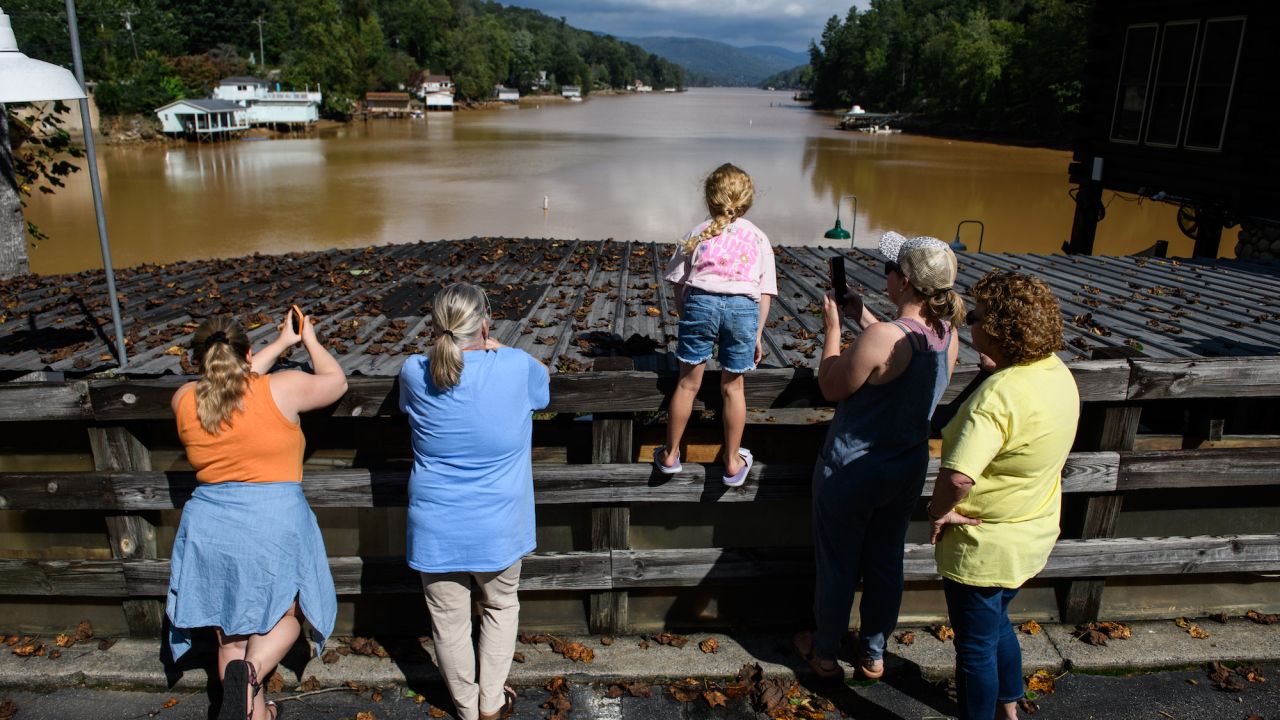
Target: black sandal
274, 711
235, 688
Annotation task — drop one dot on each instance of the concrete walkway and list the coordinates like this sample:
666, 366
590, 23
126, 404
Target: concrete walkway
1154, 645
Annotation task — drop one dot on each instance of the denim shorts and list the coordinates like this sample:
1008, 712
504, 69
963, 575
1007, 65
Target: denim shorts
730, 321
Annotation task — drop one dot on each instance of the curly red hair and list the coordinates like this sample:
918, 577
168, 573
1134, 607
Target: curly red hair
1022, 315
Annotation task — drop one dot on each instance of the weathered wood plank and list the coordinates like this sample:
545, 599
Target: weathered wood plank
388, 575
1216, 467
84, 578
20, 402
1204, 378
554, 484
611, 442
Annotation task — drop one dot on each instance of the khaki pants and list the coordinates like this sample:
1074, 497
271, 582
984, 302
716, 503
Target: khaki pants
449, 600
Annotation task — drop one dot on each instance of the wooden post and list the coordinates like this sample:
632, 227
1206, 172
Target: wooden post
1103, 426
132, 535
611, 442
1208, 233
1084, 228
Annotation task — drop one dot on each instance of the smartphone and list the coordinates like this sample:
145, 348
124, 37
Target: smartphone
839, 285
295, 317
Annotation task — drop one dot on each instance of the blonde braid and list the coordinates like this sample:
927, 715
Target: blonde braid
729, 193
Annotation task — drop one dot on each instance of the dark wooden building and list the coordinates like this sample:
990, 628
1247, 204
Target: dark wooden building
1178, 106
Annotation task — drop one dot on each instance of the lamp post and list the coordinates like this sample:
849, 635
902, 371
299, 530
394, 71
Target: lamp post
23, 79
957, 246
839, 233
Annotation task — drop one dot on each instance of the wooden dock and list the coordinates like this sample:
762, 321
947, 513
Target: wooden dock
570, 303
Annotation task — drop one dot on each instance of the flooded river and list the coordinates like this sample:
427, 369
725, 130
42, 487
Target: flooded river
626, 167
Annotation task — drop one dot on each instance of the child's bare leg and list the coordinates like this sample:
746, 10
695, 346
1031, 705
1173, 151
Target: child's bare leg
267, 650
681, 407
230, 647
735, 419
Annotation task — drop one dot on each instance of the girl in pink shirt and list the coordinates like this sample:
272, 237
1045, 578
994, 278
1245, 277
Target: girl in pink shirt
725, 276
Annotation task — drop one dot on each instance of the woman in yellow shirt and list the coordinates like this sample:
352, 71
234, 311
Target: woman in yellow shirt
998, 496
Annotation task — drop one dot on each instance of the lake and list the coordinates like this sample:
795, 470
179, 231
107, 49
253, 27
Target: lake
624, 167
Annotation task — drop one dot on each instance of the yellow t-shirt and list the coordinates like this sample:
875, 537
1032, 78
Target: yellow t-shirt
1012, 437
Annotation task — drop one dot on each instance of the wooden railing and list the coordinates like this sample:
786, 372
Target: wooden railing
1102, 469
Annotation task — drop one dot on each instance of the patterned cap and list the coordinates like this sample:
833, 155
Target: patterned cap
927, 262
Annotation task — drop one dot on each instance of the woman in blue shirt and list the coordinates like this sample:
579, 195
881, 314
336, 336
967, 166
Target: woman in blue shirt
470, 403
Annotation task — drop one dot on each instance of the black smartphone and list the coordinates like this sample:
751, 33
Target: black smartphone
295, 317
839, 285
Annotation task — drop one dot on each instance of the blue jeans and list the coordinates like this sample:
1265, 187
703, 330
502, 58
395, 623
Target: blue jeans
988, 659
729, 321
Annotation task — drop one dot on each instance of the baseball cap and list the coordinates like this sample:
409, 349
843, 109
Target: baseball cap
927, 262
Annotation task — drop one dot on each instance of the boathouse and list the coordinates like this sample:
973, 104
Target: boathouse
435, 91
1178, 107
571, 91
1171, 491
506, 94
387, 104
203, 120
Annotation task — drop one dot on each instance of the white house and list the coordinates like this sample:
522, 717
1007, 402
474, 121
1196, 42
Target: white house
571, 91
268, 107
204, 119
435, 91
506, 94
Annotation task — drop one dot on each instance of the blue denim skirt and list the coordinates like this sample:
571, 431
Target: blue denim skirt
730, 321
243, 552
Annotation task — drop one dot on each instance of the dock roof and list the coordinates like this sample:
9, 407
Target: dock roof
571, 302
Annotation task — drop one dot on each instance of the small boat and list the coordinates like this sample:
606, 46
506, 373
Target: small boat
668, 89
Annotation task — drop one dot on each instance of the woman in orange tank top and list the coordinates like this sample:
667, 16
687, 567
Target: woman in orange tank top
248, 558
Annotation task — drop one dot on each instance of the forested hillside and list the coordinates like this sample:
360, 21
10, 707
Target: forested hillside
1013, 65
144, 53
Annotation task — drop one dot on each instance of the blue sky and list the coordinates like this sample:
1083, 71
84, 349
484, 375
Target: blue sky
786, 23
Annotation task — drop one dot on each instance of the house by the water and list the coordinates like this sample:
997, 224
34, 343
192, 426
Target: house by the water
506, 94
387, 104
205, 119
270, 107
435, 91
571, 91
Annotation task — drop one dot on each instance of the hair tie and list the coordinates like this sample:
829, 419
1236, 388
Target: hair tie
217, 336
447, 332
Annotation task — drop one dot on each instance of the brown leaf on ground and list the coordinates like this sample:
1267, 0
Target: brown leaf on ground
518, 656
1221, 617
1224, 679
12, 640
714, 698
614, 691
1182, 622
944, 633
275, 683
84, 631
1115, 630
1041, 683
377, 696
1097, 633
329, 657
105, 644
55, 654
574, 651
64, 641
1028, 706
671, 639
7, 709
311, 684
559, 703
366, 715
29, 648
607, 640
772, 696
906, 637
343, 650
530, 639
1030, 627
436, 712
169, 703
686, 690
358, 687
643, 644
1197, 632
709, 646
1254, 615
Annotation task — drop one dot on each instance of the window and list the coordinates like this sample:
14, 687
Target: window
1215, 78
1135, 73
1173, 78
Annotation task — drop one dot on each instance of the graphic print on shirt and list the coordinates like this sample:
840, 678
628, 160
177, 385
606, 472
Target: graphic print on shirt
732, 254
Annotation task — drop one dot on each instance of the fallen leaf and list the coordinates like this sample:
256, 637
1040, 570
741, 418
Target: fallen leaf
1254, 615
64, 641
944, 633
1030, 627
7, 709
607, 640
1197, 632
1182, 622
671, 639
652, 311
436, 712
55, 654
329, 657
643, 644
170, 703
686, 690
365, 715
714, 698
275, 683
1041, 683
575, 651
174, 350
105, 643
906, 637
518, 656
377, 696
709, 646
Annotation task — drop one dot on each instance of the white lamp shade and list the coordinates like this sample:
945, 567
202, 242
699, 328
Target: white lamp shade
25, 80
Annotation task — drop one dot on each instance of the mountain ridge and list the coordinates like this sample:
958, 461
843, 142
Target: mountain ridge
710, 62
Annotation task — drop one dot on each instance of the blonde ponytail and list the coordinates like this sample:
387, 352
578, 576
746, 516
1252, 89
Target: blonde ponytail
221, 351
945, 305
457, 312
729, 193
